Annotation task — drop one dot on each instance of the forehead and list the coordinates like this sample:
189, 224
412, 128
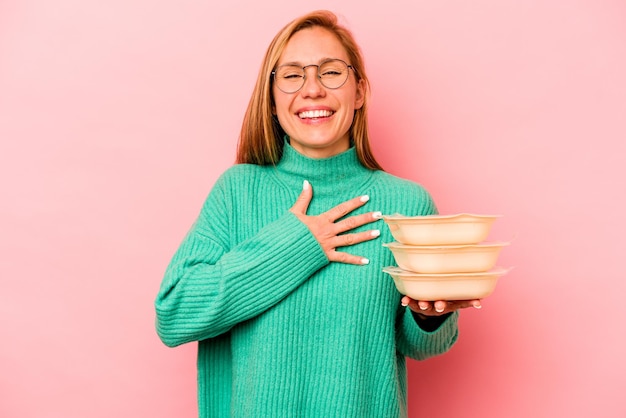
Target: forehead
312, 45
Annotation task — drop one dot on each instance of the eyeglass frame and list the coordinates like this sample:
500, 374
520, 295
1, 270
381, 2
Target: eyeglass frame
350, 67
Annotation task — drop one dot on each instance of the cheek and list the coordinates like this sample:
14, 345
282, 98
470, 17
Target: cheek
280, 101
281, 105
350, 104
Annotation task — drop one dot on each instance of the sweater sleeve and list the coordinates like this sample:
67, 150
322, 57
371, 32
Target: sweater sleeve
418, 344
208, 287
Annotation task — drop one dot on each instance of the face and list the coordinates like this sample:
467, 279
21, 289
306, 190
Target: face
317, 119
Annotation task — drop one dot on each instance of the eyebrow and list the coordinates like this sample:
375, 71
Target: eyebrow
299, 64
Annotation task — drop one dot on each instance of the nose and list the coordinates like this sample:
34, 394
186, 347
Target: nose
312, 85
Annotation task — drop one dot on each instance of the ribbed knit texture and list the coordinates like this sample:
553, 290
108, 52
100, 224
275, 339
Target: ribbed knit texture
282, 332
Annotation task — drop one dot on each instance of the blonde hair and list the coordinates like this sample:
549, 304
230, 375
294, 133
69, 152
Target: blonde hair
261, 139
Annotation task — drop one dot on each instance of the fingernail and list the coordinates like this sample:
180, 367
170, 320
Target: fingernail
404, 303
365, 198
375, 232
377, 215
478, 306
305, 185
422, 307
438, 309
365, 261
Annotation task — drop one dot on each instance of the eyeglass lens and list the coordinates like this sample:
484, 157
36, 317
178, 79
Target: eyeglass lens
332, 74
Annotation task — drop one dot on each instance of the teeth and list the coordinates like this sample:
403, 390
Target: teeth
315, 114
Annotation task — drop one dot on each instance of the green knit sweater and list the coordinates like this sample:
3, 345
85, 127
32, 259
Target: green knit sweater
282, 331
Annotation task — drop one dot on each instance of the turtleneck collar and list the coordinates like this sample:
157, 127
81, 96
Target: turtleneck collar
334, 171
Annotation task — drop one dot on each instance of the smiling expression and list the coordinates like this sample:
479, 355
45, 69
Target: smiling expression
317, 119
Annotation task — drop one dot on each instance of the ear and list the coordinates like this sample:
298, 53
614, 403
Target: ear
361, 90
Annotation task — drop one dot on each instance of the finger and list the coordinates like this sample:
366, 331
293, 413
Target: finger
346, 207
304, 199
346, 258
356, 221
462, 304
423, 305
420, 307
440, 306
347, 240
411, 303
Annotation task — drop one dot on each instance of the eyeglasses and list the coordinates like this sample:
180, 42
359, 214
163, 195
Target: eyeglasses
332, 73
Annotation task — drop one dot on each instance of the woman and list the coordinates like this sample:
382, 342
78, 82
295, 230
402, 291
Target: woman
280, 278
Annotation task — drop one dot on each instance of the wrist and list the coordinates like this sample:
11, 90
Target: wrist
429, 323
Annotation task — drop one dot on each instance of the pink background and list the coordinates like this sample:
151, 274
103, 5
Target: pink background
116, 118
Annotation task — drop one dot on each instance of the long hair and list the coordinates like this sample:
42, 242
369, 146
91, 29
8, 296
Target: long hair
261, 139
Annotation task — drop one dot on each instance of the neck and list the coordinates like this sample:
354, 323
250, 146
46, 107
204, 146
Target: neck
322, 152
326, 175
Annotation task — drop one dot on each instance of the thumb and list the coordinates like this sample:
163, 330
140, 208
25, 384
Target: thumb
302, 203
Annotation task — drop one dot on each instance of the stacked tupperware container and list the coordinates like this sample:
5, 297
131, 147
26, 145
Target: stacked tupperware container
444, 257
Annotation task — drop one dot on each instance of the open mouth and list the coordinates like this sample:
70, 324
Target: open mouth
314, 114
